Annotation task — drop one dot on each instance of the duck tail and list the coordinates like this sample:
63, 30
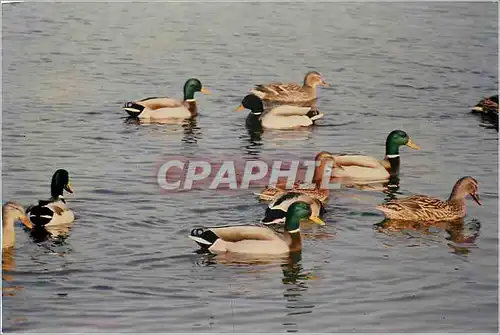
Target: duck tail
273, 216
133, 109
40, 215
204, 237
314, 114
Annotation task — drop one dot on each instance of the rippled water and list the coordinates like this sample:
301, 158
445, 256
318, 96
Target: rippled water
128, 265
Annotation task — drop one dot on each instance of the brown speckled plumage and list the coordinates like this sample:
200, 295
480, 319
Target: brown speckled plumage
315, 192
425, 208
291, 93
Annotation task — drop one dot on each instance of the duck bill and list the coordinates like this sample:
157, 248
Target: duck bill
477, 109
317, 220
412, 145
476, 199
205, 91
239, 108
68, 188
323, 83
24, 220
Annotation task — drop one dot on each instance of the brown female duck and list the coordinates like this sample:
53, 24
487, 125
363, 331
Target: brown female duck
12, 211
291, 93
324, 161
425, 208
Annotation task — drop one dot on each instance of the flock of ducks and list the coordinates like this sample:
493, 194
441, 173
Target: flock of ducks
272, 106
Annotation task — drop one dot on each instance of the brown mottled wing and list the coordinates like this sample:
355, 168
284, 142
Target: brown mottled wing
419, 206
282, 92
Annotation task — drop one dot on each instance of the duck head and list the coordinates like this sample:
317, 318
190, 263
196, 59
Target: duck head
60, 182
253, 103
192, 86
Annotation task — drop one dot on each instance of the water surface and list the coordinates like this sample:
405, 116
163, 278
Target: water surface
127, 264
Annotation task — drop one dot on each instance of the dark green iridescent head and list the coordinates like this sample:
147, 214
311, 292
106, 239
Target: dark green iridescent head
60, 182
297, 211
396, 139
192, 86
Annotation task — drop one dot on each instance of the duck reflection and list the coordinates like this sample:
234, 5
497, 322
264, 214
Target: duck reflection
8, 265
461, 234
192, 133
58, 235
189, 127
388, 186
295, 281
252, 141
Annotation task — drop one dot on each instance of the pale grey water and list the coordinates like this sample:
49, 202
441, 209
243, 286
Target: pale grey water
128, 264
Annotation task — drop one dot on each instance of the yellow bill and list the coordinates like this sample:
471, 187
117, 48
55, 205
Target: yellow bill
239, 108
317, 220
68, 187
205, 91
412, 145
26, 222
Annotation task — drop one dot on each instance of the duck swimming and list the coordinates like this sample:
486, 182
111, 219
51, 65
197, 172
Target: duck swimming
280, 117
486, 105
53, 212
360, 167
324, 162
487, 108
425, 208
291, 93
165, 108
248, 239
12, 211
276, 212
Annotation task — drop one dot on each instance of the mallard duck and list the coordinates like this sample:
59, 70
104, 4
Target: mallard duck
276, 212
323, 167
53, 212
360, 167
487, 105
248, 239
280, 117
291, 93
425, 208
167, 108
12, 211
487, 108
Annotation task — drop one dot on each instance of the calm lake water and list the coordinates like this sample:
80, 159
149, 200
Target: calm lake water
127, 264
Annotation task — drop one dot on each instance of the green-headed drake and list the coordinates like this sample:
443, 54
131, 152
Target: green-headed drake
360, 167
54, 211
166, 108
248, 239
279, 117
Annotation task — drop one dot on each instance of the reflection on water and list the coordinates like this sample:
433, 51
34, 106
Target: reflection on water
192, 133
295, 281
189, 127
122, 275
8, 265
461, 234
252, 141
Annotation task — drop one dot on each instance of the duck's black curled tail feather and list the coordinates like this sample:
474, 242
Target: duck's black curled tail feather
204, 238
40, 215
133, 109
273, 215
314, 114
